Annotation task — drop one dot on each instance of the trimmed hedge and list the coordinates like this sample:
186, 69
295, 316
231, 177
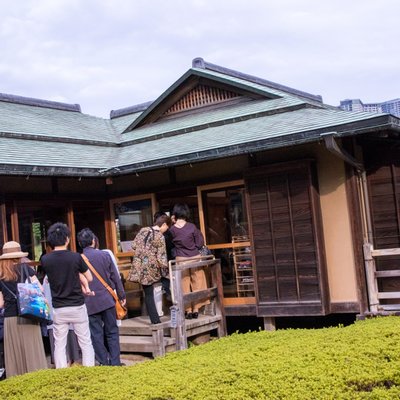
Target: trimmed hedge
361, 361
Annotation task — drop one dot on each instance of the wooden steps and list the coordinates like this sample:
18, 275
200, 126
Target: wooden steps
138, 335
140, 326
143, 344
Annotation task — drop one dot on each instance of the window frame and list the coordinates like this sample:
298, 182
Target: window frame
227, 301
112, 202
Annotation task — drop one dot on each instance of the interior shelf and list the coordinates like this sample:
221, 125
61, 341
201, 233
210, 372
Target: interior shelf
243, 267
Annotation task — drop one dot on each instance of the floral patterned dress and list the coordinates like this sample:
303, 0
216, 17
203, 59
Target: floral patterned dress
150, 257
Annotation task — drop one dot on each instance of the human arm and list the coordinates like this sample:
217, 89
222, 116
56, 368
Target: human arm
85, 285
198, 238
116, 279
84, 270
1, 300
162, 258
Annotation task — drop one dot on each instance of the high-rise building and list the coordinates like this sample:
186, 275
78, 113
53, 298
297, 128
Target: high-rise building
390, 107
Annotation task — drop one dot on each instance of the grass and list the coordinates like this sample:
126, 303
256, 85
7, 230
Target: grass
361, 361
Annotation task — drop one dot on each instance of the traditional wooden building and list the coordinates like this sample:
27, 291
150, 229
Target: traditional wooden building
295, 197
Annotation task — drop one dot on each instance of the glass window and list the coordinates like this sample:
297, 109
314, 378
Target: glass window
33, 224
225, 214
130, 217
226, 230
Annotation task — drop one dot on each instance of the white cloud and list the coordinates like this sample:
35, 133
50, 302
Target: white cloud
108, 54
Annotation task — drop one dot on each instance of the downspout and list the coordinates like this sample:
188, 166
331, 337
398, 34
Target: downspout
369, 262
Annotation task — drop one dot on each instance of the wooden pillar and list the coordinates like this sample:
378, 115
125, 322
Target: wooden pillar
177, 293
3, 224
108, 228
71, 224
370, 270
14, 223
216, 280
269, 324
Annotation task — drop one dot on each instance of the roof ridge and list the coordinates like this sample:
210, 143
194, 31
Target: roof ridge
200, 63
129, 110
30, 101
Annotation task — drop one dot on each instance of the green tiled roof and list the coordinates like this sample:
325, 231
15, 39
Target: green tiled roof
275, 130
31, 120
53, 141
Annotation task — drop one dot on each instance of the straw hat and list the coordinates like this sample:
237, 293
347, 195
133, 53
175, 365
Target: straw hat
12, 250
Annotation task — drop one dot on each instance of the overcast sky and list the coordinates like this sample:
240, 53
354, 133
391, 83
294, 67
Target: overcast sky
110, 54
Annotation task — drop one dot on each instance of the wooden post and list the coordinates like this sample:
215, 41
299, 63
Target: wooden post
181, 339
71, 225
370, 271
158, 340
3, 221
269, 324
14, 223
216, 280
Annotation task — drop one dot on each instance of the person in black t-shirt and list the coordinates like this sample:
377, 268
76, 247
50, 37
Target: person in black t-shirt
62, 268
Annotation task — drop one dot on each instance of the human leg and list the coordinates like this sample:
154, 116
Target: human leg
73, 351
150, 304
97, 334
186, 287
198, 282
111, 334
81, 327
23, 346
166, 286
61, 317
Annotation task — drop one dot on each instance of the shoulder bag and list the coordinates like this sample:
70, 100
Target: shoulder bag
31, 302
119, 308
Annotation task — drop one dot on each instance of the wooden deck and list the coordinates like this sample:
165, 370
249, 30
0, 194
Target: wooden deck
138, 335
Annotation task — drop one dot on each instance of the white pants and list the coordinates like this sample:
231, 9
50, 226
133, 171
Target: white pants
78, 318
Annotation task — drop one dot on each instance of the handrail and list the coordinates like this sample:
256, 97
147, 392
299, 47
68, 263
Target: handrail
214, 292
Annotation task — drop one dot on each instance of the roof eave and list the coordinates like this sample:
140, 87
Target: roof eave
379, 123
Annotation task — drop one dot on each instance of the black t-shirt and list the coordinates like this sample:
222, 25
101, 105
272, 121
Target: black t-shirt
62, 268
10, 301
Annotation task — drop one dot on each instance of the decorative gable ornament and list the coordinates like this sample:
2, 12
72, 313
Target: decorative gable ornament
201, 96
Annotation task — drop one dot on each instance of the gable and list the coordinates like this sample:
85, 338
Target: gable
201, 96
197, 89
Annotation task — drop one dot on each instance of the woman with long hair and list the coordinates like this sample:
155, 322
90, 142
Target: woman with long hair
23, 345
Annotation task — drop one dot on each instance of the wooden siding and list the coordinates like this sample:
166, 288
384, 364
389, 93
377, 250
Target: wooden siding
384, 196
287, 257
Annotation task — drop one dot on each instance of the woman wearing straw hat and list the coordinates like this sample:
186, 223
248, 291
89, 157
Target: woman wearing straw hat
23, 345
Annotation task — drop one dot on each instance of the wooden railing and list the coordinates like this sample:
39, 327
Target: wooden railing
372, 275
180, 300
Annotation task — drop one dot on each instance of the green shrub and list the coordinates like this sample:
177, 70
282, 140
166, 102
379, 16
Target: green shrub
361, 361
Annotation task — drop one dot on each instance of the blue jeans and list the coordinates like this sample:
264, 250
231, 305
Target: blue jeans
105, 337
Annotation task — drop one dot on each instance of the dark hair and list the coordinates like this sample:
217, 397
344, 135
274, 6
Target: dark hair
162, 219
181, 211
96, 242
158, 214
58, 234
85, 238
